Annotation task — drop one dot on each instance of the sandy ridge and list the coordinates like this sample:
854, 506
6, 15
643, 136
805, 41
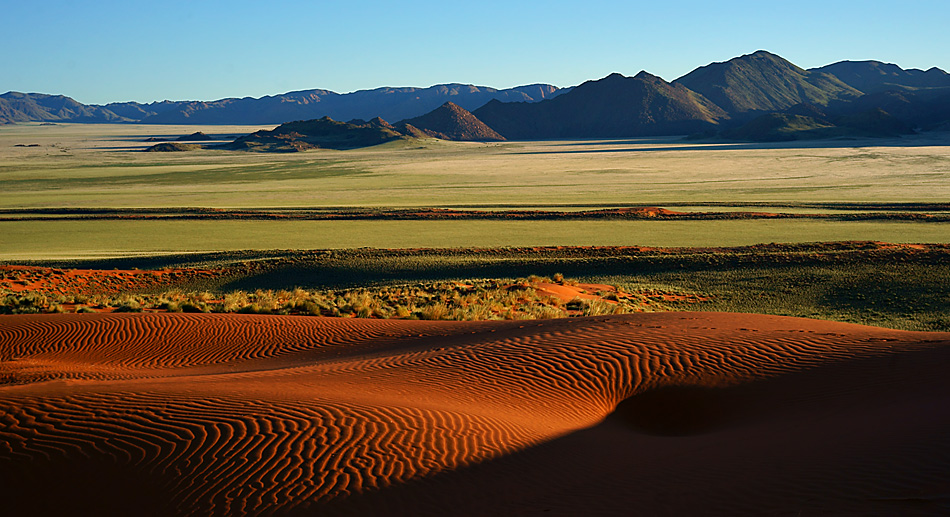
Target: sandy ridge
244, 414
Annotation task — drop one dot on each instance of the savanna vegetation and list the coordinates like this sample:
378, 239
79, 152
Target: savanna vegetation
467, 300
905, 287
456, 268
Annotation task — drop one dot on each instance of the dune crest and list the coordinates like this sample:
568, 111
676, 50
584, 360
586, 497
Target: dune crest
666, 412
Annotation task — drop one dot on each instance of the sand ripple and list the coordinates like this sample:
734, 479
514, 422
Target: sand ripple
250, 415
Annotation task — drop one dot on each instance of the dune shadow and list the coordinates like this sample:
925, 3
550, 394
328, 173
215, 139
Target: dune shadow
690, 450
678, 410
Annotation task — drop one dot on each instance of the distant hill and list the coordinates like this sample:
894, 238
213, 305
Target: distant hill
138, 112
874, 122
387, 103
324, 133
450, 122
923, 109
805, 109
875, 76
171, 147
762, 82
8, 114
615, 106
849, 97
197, 136
777, 127
37, 107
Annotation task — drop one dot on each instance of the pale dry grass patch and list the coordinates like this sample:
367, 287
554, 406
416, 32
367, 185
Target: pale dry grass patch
551, 173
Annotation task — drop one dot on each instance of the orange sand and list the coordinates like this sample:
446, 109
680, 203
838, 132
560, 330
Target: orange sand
95, 281
646, 414
570, 292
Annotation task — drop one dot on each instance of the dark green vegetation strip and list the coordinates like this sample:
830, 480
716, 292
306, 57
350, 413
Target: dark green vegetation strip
901, 287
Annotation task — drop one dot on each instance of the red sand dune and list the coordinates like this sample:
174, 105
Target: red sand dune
652, 414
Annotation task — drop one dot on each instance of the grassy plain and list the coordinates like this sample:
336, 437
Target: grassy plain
101, 166
58, 239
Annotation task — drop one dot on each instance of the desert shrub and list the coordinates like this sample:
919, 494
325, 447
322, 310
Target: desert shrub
23, 304
265, 301
298, 297
435, 311
308, 307
601, 308
129, 306
576, 304
234, 301
190, 306
940, 323
170, 306
128, 303
479, 311
252, 308
545, 312
203, 297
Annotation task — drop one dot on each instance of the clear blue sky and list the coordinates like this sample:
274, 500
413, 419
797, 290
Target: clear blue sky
104, 51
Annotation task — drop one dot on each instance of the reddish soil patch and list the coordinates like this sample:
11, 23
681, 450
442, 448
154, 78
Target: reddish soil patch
570, 292
96, 281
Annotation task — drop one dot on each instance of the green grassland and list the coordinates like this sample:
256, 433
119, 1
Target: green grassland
101, 166
59, 239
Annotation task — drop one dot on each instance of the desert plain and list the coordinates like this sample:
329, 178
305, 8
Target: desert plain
639, 326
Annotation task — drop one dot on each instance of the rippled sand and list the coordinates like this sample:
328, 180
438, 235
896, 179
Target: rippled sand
669, 413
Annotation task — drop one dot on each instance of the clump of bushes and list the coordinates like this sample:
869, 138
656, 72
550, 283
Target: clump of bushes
469, 300
30, 303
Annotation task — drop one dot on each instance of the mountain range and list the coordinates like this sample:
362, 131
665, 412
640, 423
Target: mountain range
763, 82
387, 103
615, 106
759, 96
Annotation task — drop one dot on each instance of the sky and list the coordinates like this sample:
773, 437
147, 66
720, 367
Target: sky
115, 51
